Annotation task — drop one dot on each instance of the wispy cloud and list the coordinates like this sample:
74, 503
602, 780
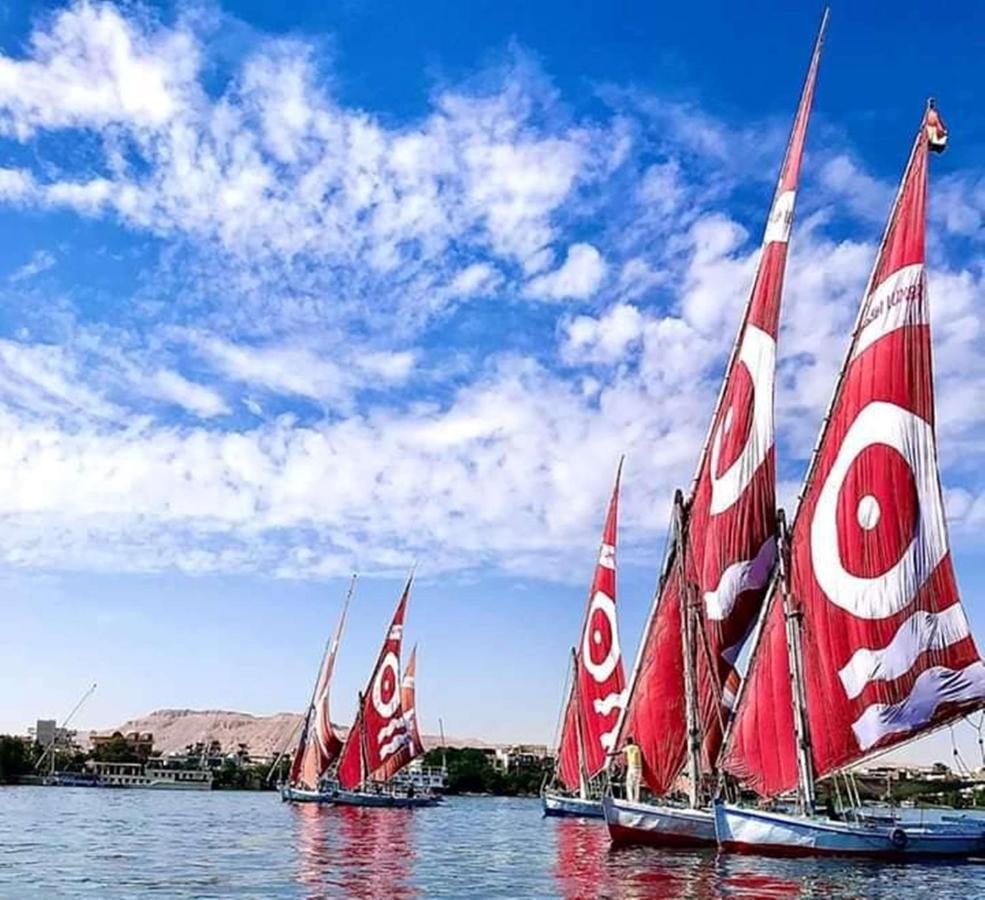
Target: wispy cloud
345, 355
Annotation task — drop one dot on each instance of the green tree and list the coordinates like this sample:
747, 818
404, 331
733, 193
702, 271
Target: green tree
16, 759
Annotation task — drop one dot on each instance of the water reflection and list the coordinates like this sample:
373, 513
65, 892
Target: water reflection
586, 866
354, 852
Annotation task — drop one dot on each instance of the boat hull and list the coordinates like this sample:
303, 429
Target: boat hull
382, 800
561, 805
742, 830
658, 826
301, 795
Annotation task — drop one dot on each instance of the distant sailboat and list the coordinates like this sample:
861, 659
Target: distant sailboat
865, 645
380, 743
598, 690
319, 746
719, 561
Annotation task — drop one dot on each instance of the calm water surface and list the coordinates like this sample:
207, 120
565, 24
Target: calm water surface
77, 842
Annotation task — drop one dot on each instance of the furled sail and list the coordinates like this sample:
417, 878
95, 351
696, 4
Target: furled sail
379, 730
729, 543
414, 746
319, 745
598, 694
888, 653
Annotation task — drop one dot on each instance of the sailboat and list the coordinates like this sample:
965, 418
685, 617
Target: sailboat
865, 645
380, 743
718, 564
598, 690
319, 745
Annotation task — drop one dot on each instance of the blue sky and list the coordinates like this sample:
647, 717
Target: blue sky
287, 292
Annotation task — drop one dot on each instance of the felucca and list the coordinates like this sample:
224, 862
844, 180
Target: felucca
381, 743
598, 690
319, 745
864, 645
719, 561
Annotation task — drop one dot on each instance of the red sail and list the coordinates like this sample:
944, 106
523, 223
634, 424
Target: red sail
319, 745
762, 750
379, 730
414, 746
888, 653
730, 546
596, 704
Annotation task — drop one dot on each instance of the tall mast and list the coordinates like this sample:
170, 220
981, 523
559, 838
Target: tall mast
690, 657
793, 616
363, 762
579, 736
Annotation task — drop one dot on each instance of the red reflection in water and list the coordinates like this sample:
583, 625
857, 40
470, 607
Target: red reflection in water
738, 876
354, 852
587, 867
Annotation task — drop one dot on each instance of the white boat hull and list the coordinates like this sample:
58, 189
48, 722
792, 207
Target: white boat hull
658, 826
742, 830
562, 805
302, 795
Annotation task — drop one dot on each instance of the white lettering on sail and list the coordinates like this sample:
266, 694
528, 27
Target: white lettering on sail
601, 671
781, 218
747, 575
608, 738
932, 688
883, 595
605, 705
895, 303
758, 354
921, 632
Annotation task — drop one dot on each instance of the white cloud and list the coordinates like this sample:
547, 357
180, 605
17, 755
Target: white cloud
92, 66
195, 398
474, 279
578, 277
39, 262
605, 339
311, 245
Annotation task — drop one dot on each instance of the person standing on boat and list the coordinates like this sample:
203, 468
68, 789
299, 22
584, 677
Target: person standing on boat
634, 769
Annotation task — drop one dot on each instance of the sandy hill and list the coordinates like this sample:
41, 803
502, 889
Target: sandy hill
175, 729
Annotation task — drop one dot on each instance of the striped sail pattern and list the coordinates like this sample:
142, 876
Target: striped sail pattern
319, 746
888, 653
729, 548
597, 699
379, 731
414, 746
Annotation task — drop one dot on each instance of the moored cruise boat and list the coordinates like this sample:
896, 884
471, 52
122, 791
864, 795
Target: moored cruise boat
864, 644
151, 775
719, 562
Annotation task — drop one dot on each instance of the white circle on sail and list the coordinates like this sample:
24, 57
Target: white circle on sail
886, 594
386, 708
601, 671
758, 353
868, 512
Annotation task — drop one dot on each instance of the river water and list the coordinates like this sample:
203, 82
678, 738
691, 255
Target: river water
79, 842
